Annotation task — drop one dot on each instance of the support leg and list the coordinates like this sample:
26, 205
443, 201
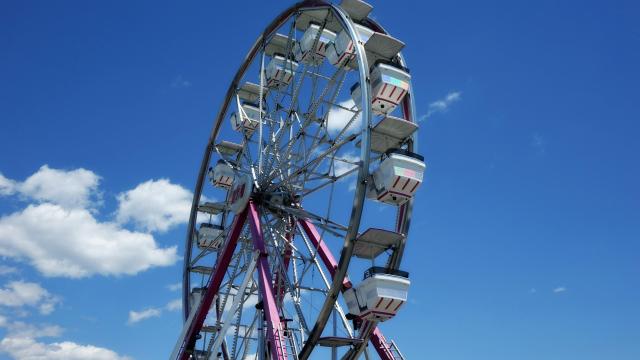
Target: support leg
377, 339
213, 285
275, 341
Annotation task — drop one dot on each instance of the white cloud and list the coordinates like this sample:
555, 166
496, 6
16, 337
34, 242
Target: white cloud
174, 305
72, 243
341, 167
5, 270
442, 105
7, 186
180, 82
338, 118
155, 205
70, 189
137, 316
539, 143
21, 329
20, 343
60, 236
559, 289
20, 293
174, 287
27, 348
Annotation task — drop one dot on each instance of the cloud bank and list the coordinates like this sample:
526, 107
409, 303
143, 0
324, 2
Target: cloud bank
59, 234
21, 342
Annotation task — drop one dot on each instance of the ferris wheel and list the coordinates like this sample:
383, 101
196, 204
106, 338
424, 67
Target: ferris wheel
312, 153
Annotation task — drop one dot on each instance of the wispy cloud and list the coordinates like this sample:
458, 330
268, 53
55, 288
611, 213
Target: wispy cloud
22, 329
559, 289
442, 105
151, 312
174, 287
180, 82
7, 186
137, 316
21, 341
174, 305
539, 143
5, 270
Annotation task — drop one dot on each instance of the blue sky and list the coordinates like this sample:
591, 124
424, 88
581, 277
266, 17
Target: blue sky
525, 238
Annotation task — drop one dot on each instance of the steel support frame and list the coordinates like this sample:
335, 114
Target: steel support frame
213, 285
377, 339
286, 259
277, 347
240, 293
275, 341
409, 114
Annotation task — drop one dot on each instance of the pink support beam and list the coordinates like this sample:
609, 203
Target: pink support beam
224, 258
275, 343
377, 339
323, 250
381, 345
286, 259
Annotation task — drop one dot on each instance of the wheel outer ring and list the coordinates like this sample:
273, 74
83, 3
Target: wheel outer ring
347, 250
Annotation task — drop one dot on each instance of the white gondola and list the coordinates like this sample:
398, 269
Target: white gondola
248, 120
279, 71
358, 10
213, 208
343, 49
382, 47
228, 148
210, 236
250, 92
390, 133
398, 177
222, 175
195, 297
374, 242
278, 44
379, 296
389, 85
304, 50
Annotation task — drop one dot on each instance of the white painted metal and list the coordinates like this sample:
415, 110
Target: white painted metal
287, 159
391, 133
378, 297
382, 47
246, 119
222, 175
279, 72
306, 52
342, 50
374, 242
210, 236
389, 86
194, 298
238, 299
397, 179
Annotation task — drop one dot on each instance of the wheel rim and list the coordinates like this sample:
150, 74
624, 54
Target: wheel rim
266, 187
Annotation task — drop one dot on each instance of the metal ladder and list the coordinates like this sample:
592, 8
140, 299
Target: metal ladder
290, 349
395, 351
